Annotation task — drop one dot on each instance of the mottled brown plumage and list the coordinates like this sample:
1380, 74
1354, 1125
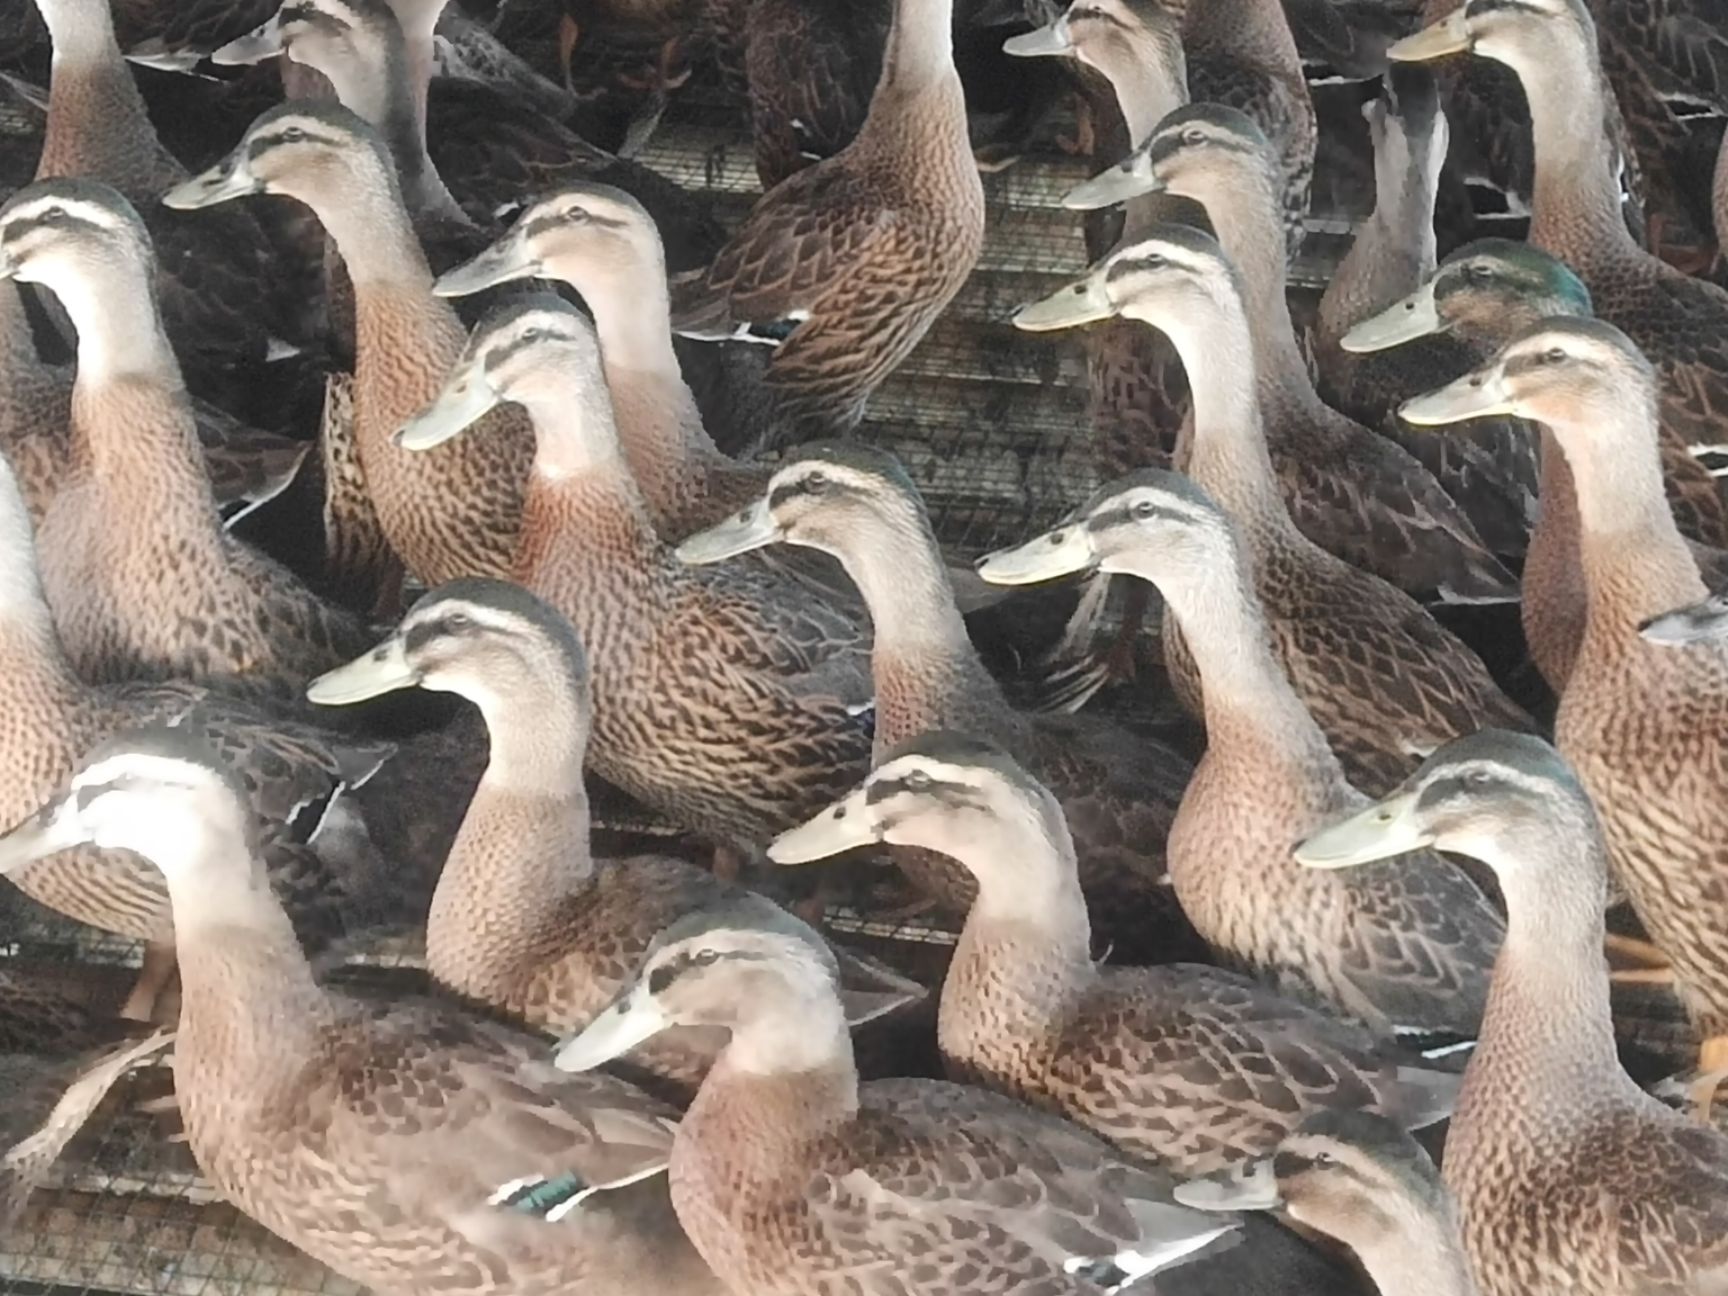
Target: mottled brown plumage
1568, 1176
142, 579
845, 265
728, 700
1400, 949
1118, 790
791, 1177
1183, 1066
388, 1141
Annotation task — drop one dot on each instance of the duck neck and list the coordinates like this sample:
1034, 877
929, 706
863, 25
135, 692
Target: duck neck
1575, 203
1249, 704
32, 394
665, 440
97, 123
1150, 86
919, 57
34, 670
1394, 252
248, 997
1422, 1256
1249, 228
1547, 1033
786, 1079
120, 331
1636, 564
1026, 948
419, 22
1227, 451
922, 663
370, 225
524, 842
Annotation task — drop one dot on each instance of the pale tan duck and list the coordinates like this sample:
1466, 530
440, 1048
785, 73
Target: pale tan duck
1357, 1177
844, 266
1183, 1066
52, 716
1482, 296
222, 314
793, 1178
1404, 950
729, 700
525, 919
1383, 680
142, 579
1119, 790
1643, 725
393, 1142
1349, 489
1568, 1177
1679, 322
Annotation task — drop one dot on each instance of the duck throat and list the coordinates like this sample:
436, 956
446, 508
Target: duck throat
367, 220
97, 123
1422, 1256
1575, 203
918, 61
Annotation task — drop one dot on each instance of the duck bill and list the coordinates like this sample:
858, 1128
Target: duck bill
1686, 626
228, 179
1252, 1186
1451, 35
630, 1020
383, 670
750, 528
1055, 554
1385, 829
1081, 302
1481, 394
504, 261
1117, 185
1052, 40
466, 399
844, 826
52, 829
262, 42
1414, 317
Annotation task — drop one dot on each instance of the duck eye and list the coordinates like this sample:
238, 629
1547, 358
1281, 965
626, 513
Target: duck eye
1477, 270
1145, 509
1477, 779
918, 781
458, 622
1553, 355
1193, 135
293, 135
534, 334
704, 958
817, 483
54, 216
576, 215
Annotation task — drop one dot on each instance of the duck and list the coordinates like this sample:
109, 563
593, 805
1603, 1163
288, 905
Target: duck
225, 317
1719, 196
1120, 790
297, 777
1482, 296
728, 701
446, 514
1701, 622
811, 67
1181, 1065
525, 919
843, 267
1363, 1180
1679, 322
1491, 474
247, 467
1405, 952
1409, 684
1386, 514
1641, 724
791, 1176
1566, 1174
143, 580
309, 1111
